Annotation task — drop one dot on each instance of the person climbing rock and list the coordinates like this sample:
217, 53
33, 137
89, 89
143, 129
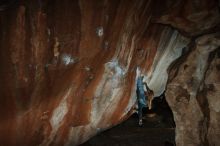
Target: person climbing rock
143, 96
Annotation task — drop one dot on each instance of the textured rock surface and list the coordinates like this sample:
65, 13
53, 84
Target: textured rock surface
68, 68
212, 83
188, 94
190, 17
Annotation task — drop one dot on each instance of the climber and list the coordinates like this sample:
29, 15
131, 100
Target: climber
141, 98
142, 95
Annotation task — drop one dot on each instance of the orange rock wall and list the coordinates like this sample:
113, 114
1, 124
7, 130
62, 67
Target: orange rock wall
68, 68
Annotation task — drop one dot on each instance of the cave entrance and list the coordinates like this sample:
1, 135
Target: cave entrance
158, 129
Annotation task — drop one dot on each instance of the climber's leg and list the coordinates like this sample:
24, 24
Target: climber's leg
140, 121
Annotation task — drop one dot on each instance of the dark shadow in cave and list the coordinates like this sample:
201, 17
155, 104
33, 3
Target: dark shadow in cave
158, 129
6, 4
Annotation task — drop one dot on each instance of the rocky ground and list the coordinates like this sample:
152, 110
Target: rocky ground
158, 130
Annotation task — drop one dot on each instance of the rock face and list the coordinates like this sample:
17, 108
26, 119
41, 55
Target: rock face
68, 68
192, 94
190, 17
